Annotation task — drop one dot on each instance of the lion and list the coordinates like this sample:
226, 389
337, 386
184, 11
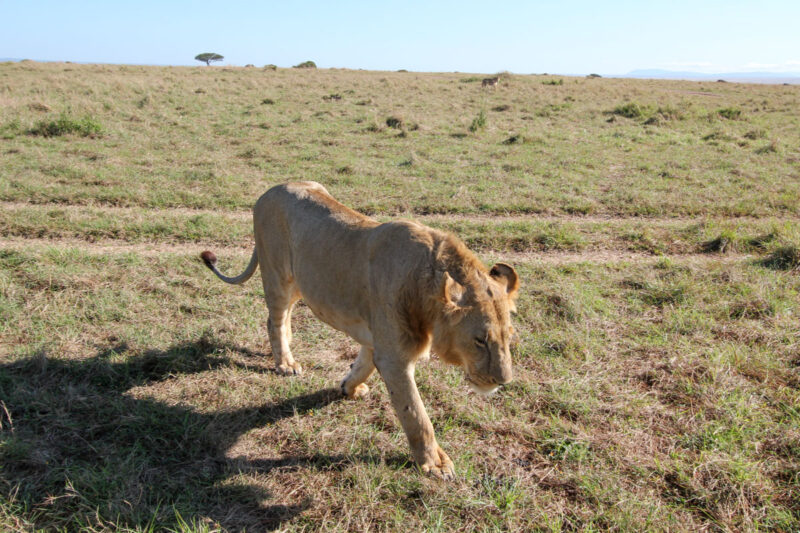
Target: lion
399, 289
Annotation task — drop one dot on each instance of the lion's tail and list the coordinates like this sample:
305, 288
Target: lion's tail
211, 262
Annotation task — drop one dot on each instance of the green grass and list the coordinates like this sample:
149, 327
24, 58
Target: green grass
221, 147
174, 412
654, 225
64, 125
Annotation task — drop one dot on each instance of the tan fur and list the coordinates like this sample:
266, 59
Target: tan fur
400, 289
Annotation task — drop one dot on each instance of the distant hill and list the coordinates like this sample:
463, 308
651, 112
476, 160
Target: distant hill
752, 77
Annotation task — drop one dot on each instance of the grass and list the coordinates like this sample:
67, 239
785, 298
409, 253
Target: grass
64, 125
478, 123
656, 377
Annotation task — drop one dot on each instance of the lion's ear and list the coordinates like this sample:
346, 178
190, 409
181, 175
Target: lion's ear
506, 274
450, 292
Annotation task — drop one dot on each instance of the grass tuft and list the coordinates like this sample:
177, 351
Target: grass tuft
64, 124
730, 113
306, 64
478, 123
784, 258
633, 110
723, 243
394, 122
771, 148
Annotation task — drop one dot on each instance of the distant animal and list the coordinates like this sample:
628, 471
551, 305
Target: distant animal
400, 289
490, 82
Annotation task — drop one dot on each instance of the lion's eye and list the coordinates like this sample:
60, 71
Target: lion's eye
480, 341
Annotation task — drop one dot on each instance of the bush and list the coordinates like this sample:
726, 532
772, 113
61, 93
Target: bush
553, 82
784, 258
731, 113
64, 124
479, 122
394, 122
632, 110
725, 242
306, 64
270, 67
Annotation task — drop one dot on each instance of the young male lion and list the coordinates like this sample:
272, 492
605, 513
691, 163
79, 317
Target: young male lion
400, 289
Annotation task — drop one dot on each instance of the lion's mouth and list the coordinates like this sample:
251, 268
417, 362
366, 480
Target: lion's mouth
479, 386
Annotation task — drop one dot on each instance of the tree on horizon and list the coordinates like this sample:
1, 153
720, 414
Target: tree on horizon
208, 57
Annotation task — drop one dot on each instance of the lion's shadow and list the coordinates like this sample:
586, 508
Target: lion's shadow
81, 445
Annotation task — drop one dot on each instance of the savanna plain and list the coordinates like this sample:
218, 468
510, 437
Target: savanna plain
655, 226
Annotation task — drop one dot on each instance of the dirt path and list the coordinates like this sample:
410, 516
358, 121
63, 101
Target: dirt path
160, 248
246, 215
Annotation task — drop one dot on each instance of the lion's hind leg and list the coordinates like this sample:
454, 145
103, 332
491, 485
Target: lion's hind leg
353, 385
280, 301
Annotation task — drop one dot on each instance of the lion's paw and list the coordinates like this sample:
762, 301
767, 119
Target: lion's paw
357, 392
441, 467
293, 369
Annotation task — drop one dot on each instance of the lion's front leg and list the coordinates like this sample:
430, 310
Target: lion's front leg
353, 385
429, 456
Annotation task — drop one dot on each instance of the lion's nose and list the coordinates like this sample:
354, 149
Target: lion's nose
504, 376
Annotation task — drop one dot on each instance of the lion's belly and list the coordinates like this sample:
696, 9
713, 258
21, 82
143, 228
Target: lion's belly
354, 326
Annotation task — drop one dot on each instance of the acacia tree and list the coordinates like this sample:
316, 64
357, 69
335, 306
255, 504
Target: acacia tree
208, 57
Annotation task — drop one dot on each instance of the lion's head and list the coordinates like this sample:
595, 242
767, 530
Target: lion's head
475, 332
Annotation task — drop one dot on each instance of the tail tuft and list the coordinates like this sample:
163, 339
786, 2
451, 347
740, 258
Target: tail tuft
209, 259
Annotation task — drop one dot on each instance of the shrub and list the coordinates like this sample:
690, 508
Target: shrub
306, 64
267, 101
270, 67
593, 75
394, 122
64, 124
479, 122
669, 113
632, 110
723, 243
784, 258
553, 82
731, 113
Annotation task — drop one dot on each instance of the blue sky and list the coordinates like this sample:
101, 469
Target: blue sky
570, 36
